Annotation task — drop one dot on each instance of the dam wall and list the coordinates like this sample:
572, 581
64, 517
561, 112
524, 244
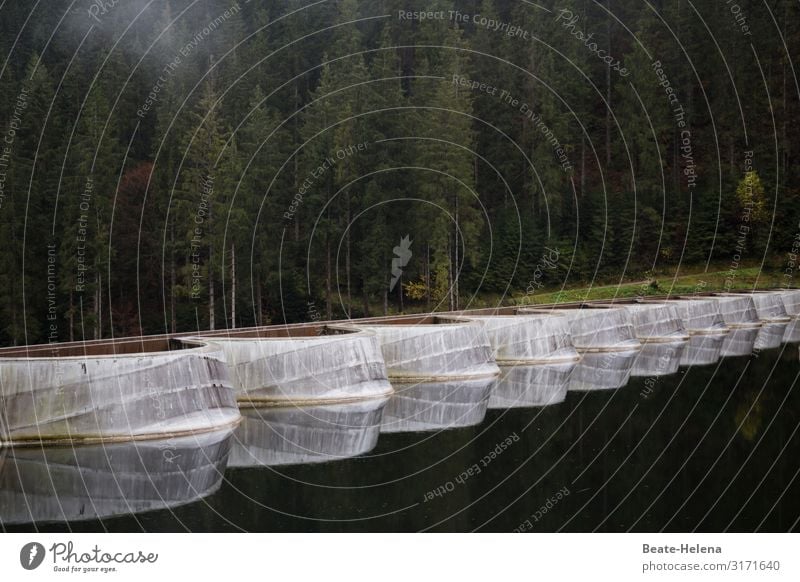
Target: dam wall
445, 364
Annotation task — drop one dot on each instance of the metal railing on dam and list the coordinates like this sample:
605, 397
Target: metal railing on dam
440, 368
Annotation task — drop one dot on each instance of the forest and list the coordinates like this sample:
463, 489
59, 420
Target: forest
172, 165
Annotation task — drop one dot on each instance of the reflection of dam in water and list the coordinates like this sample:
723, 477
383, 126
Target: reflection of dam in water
444, 366
41, 484
426, 406
533, 385
312, 434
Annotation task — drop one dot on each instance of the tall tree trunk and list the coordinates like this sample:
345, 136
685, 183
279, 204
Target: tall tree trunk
449, 274
428, 276
400, 292
608, 91
583, 166
328, 302
366, 298
96, 333
172, 279
211, 304
457, 267
259, 306
71, 316
233, 287
347, 255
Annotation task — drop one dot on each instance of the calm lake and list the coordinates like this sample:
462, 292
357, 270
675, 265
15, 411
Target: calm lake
622, 442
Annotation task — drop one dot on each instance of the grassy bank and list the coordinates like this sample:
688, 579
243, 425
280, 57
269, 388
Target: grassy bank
745, 278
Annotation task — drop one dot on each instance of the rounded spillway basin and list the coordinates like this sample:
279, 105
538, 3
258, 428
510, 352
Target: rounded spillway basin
87, 482
528, 339
116, 390
656, 322
769, 306
700, 316
435, 351
597, 329
307, 434
738, 310
304, 367
791, 301
528, 386
427, 406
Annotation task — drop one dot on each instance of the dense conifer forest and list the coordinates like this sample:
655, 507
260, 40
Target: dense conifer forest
169, 165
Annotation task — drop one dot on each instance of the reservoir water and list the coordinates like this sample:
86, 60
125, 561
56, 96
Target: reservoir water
707, 448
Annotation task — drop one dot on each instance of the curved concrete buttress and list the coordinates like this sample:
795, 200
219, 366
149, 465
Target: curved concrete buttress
527, 338
699, 315
597, 329
769, 306
425, 352
656, 322
304, 369
738, 310
108, 396
791, 301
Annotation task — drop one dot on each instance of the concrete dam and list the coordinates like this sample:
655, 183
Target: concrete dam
335, 386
